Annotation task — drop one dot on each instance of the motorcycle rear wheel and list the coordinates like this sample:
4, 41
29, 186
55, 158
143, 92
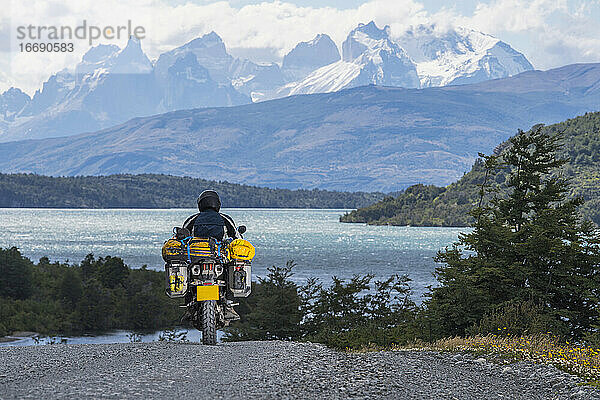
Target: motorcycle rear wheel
209, 322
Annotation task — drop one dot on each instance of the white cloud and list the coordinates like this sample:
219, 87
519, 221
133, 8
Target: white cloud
551, 33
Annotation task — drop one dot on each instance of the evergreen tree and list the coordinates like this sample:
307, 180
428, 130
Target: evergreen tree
112, 271
95, 310
528, 245
273, 311
15, 274
70, 288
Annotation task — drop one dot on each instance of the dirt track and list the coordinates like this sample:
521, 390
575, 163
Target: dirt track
267, 370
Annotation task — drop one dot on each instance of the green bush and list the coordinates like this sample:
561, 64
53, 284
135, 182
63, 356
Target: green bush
95, 296
273, 310
350, 314
518, 318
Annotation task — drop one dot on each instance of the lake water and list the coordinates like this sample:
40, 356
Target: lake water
320, 245
118, 336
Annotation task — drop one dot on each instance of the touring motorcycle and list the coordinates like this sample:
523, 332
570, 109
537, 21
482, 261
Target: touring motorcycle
209, 275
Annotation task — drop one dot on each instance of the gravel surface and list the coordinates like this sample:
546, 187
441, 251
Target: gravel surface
269, 370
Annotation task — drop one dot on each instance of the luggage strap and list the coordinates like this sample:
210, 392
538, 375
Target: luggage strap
212, 243
186, 242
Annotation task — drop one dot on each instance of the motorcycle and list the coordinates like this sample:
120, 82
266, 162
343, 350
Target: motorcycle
209, 275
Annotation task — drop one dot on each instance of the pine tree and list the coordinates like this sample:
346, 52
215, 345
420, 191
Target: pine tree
529, 245
16, 274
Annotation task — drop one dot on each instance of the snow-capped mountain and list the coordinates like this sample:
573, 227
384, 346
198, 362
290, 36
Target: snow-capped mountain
420, 57
460, 56
306, 57
382, 61
111, 85
210, 52
369, 56
245, 76
189, 85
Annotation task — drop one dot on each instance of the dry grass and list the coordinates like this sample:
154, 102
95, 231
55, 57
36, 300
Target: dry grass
580, 360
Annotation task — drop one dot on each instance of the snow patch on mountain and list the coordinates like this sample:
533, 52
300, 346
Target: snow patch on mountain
330, 78
253, 79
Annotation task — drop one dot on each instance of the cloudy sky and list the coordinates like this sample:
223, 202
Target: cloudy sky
549, 32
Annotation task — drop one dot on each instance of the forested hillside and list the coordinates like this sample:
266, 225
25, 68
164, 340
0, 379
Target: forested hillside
422, 205
160, 191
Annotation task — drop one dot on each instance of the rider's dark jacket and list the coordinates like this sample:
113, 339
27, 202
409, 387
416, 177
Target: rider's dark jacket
210, 223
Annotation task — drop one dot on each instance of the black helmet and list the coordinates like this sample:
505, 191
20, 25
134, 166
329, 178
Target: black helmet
209, 199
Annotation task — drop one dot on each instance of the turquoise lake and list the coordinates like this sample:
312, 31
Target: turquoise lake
320, 245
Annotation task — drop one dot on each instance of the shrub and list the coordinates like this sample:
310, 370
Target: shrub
518, 318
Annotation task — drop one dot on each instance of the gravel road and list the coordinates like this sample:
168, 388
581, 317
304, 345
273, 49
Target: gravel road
268, 370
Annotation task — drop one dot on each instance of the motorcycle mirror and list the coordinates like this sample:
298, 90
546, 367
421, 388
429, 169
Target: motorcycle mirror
242, 229
182, 233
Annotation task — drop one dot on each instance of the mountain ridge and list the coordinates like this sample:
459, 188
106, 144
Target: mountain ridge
367, 138
112, 85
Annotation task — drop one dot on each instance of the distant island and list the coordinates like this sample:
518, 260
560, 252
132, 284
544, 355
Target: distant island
160, 191
429, 205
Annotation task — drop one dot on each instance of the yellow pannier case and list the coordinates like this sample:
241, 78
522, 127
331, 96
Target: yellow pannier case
241, 249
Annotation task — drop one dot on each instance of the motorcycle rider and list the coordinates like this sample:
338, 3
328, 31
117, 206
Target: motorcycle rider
209, 222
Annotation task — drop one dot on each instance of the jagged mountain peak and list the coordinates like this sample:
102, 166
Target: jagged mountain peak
428, 42
369, 57
12, 101
110, 58
100, 53
100, 56
133, 48
372, 30
369, 38
320, 37
210, 41
131, 59
305, 57
210, 52
12, 92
